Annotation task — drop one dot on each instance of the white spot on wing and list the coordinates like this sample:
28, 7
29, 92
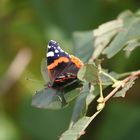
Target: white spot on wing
58, 48
61, 76
50, 54
56, 51
61, 50
49, 46
53, 41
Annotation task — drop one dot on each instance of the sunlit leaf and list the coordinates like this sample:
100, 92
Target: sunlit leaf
93, 42
125, 15
131, 45
106, 80
88, 73
76, 131
130, 31
126, 87
104, 34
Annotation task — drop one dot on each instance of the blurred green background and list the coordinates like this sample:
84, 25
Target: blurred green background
25, 28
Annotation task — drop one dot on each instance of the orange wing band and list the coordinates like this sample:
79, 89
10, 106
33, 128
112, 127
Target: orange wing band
76, 61
56, 62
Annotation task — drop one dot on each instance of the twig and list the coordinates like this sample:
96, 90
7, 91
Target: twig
99, 79
15, 70
109, 76
112, 93
121, 84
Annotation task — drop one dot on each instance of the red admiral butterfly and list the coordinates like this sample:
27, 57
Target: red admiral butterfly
61, 68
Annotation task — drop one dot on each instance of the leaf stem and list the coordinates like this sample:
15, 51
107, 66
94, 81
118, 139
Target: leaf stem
99, 79
109, 76
126, 74
122, 83
112, 93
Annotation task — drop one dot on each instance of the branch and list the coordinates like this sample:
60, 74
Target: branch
112, 93
121, 84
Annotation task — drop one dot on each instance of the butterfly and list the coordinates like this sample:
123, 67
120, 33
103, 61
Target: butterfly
61, 69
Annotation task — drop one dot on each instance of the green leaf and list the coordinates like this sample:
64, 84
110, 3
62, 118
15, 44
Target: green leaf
76, 131
91, 43
72, 94
106, 80
130, 31
94, 91
125, 15
80, 105
126, 87
114, 33
104, 34
88, 94
131, 45
88, 73
83, 45
48, 99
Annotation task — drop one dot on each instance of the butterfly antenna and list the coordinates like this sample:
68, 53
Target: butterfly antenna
30, 79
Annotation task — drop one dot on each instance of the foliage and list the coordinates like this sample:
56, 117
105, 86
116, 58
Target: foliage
26, 26
109, 39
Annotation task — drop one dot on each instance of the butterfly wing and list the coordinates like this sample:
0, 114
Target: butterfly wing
57, 60
66, 77
62, 67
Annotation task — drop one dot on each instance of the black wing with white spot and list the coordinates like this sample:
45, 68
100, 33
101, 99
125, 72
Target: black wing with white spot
54, 52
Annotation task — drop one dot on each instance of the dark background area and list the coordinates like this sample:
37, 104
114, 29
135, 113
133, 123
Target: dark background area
29, 25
